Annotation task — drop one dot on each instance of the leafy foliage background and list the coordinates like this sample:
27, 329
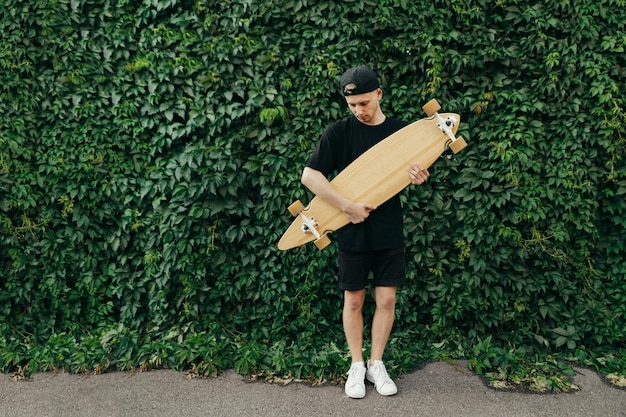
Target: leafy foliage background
148, 151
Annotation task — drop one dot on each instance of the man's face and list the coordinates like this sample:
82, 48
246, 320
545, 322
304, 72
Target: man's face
365, 106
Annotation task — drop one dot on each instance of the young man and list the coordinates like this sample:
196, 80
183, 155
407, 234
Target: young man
374, 241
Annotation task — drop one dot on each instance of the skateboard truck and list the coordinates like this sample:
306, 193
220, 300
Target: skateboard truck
309, 225
455, 144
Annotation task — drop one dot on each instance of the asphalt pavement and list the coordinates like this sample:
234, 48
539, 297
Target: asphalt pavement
438, 389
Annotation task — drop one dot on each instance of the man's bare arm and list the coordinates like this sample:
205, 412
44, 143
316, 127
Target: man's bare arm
316, 182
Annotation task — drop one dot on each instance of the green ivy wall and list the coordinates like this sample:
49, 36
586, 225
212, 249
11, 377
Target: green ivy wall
148, 152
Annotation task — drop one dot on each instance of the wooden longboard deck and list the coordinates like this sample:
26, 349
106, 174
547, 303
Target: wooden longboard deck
374, 177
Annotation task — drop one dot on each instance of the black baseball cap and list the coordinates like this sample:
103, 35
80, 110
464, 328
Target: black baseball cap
358, 80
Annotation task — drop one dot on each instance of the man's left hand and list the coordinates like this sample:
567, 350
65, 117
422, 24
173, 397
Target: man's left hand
418, 174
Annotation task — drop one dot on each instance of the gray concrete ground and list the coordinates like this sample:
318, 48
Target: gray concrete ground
438, 389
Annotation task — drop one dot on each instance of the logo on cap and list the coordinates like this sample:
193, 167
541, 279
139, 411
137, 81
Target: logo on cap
349, 89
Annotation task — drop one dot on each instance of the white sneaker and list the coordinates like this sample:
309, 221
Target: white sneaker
377, 374
355, 385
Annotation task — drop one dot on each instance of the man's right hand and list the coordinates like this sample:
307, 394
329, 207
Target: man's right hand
358, 212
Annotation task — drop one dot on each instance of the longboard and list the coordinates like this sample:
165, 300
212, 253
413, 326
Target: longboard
376, 176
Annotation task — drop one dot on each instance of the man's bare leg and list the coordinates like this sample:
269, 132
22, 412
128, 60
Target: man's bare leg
353, 323
383, 321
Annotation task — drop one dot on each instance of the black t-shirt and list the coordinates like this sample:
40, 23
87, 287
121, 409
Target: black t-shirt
341, 143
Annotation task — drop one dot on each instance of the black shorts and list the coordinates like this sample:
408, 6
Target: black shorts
387, 268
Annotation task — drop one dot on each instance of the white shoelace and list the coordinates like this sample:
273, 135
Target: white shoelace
357, 371
382, 375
